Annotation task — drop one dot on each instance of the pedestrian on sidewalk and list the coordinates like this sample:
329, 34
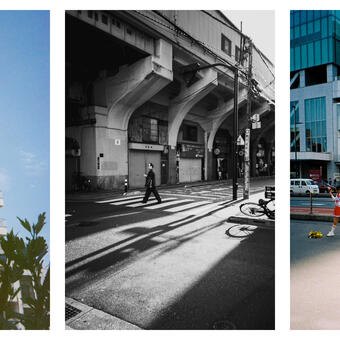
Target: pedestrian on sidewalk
150, 184
336, 200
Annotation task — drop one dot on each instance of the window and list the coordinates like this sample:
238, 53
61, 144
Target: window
294, 128
315, 116
90, 14
303, 183
338, 114
104, 19
190, 133
226, 45
150, 130
297, 182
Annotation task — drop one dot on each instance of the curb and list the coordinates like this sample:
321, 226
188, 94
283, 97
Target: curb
89, 318
312, 217
252, 221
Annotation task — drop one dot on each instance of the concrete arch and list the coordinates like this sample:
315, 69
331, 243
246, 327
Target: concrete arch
220, 114
134, 85
188, 97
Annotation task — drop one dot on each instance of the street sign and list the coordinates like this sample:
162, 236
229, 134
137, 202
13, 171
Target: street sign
240, 140
256, 117
256, 125
246, 145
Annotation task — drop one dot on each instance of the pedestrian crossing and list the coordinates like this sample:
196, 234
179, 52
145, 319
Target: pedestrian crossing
172, 204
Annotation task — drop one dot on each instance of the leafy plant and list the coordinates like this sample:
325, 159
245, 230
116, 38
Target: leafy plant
20, 256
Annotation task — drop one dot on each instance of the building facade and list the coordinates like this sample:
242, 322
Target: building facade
133, 97
315, 93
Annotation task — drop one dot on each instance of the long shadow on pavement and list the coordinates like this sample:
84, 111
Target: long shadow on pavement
121, 257
87, 226
237, 292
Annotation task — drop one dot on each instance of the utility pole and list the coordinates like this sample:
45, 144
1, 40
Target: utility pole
189, 73
235, 135
246, 187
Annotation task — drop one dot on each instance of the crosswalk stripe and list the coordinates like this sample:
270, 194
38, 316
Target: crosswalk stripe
136, 205
162, 205
130, 201
202, 210
187, 206
119, 199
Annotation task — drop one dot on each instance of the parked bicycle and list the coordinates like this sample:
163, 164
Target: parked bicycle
264, 207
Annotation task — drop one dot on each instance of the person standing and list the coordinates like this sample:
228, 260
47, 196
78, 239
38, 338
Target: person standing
150, 184
336, 200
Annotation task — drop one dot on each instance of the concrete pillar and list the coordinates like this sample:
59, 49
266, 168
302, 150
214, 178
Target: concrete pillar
172, 158
302, 78
331, 72
210, 165
331, 170
123, 94
181, 105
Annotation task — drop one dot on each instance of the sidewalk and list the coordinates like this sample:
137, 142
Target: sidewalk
98, 195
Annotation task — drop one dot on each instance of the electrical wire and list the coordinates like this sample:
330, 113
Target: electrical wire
180, 31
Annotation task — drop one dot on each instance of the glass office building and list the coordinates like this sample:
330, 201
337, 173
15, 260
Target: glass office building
314, 38
315, 93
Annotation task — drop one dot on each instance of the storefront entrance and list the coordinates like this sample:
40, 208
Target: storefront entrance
138, 166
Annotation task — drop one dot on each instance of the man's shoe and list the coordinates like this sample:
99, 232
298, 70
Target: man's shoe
143, 202
331, 233
159, 202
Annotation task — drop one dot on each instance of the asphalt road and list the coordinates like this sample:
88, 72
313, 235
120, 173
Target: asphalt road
170, 266
318, 202
315, 277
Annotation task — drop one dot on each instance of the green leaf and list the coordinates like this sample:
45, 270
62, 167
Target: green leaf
41, 222
25, 224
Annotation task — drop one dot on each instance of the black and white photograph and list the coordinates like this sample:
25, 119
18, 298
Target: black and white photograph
170, 170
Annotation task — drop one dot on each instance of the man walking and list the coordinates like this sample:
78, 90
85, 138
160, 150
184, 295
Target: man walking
150, 184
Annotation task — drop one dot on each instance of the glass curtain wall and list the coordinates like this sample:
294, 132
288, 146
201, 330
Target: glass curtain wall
313, 38
315, 116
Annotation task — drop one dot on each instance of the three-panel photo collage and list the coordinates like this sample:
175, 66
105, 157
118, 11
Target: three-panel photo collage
138, 172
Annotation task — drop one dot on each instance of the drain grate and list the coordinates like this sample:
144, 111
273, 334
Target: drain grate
223, 324
70, 311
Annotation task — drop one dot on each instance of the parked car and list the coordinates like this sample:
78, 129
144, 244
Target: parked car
324, 187
303, 186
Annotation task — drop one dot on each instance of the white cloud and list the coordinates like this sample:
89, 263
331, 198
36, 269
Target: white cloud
33, 166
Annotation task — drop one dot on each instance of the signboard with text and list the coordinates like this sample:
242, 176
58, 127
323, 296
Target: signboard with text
315, 175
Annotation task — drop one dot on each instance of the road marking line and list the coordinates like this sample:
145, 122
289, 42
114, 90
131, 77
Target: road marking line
203, 210
136, 205
182, 195
162, 205
187, 206
131, 201
119, 199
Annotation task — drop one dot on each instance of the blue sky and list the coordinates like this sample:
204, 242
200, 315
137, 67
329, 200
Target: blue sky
24, 116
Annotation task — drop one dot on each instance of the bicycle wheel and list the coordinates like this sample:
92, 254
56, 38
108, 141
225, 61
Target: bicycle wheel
240, 231
252, 209
270, 209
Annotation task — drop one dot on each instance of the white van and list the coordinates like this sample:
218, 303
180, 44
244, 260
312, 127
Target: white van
303, 186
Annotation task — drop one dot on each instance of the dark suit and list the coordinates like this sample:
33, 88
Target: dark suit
150, 184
